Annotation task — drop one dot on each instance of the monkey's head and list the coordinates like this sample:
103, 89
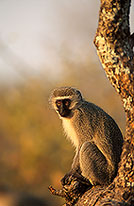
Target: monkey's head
65, 100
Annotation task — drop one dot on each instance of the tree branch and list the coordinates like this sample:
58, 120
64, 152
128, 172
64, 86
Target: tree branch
112, 41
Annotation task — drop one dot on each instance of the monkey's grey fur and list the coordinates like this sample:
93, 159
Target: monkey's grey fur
96, 136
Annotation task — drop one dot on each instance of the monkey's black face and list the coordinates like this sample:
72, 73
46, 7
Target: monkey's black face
63, 107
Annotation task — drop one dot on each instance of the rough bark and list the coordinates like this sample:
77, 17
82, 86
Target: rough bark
114, 45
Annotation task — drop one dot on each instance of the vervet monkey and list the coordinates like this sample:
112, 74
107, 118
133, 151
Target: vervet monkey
95, 135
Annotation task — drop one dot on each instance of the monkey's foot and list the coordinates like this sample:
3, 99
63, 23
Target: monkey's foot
81, 179
69, 177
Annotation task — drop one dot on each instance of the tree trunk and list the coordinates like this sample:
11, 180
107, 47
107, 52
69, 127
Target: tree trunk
114, 45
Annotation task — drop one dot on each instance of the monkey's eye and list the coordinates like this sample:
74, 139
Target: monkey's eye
58, 103
67, 102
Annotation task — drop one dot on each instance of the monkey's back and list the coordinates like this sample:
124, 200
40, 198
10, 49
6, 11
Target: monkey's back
95, 125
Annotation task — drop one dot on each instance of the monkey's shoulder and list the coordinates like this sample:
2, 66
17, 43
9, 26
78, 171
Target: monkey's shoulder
96, 115
91, 109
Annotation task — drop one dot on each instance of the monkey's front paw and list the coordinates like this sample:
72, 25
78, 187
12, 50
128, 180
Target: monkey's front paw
67, 179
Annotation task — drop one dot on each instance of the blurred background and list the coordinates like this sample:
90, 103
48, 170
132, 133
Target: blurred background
44, 44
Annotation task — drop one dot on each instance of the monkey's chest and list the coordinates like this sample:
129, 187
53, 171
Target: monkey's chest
70, 131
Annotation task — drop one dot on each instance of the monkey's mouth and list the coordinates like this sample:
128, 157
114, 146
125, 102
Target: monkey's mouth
64, 113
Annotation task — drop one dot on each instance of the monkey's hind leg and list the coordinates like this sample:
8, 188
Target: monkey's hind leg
93, 164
